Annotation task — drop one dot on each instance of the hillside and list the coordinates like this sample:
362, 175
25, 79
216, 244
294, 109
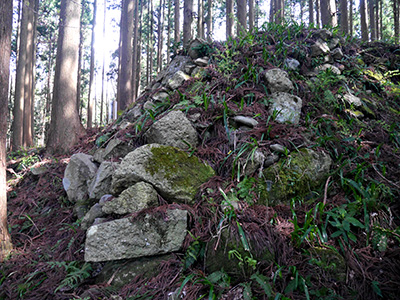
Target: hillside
302, 203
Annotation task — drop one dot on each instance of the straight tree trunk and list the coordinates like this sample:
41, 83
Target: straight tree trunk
351, 24
344, 17
6, 11
103, 69
80, 59
200, 19
372, 23
364, 26
160, 37
241, 16
177, 21
229, 19
279, 11
151, 41
311, 11
318, 10
251, 15
136, 50
396, 20
65, 126
187, 22
169, 31
125, 71
18, 111
91, 102
209, 20
328, 13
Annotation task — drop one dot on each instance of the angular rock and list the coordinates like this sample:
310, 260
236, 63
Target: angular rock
174, 129
279, 148
323, 34
101, 183
319, 47
198, 48
337, 54
286, 107
333, 43
253, 163
201, 62
160, 96
292, 64
94, 213
147, 235
77, 176
115, 148
135, 198
352, 100
271, 159
174, 174
177, 80
298, 176
325, 67
278, 80
178, 63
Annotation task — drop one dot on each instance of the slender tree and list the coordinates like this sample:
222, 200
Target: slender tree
160, 38
328, 13
187, 22
200, 19
209, 20
103, 69
351, 23
241, 16
125, 93
136, 49
65, 126
177, 21
318, 11
344, 17
311, 11
396, 22
229, 18
364, 27
91, 101
372, 22
5, 51
251, 15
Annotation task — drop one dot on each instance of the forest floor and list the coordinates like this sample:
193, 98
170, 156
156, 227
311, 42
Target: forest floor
361, 210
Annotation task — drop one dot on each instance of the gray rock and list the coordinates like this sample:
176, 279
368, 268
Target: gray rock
287, 107
323, 34
201, 62
189, 67
174, 129
105, 198
174, 174
333, 43
101, 183
246, 121
253, 162
278, 80
94, 213
160, 96
352, 100
319, 47
39, 170
292, 64
177, 64
279, 148
77, 176
197, 48
325, 67
146, 235
115, 148
133, 114
337, 54
271, 159
177, 80
135, 198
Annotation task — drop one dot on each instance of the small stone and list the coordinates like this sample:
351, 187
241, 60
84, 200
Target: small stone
337, 53
320, 47
246, 121
201, 62
38, 170
325, 67
352, 100
279, 148
333, 43
271, 159
292, 64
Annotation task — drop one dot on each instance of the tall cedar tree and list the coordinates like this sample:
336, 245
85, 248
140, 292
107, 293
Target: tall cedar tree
177, 21
65, 126
372, 24
229, 18
209, 20
187, 22
5, 51
91, 103
328, 13
125, 92
241, 16
311, 11
364, 27
344, 17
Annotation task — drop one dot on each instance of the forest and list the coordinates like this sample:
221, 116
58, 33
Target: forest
253, 145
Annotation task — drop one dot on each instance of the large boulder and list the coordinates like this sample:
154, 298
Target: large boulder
135, 198
173, 173
277, 80
101, 183
299, 175
77, 176
146, 235
285, 107
174, 130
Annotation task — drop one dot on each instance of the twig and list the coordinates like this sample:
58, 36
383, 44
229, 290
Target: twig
326, 190
384, 178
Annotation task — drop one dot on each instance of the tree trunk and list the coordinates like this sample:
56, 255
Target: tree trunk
396, 20
169, 31
311, 11
91, 102
279, 11
371, 11
328, 13
5, 51
160, 37
176, 21
125, 71
103, 70
318, 10
229, 18
351, 24
187, 22
209, 20
65, 126
241, 16
151, 66
251, 15
200, 19
18, 111
344, 17
364, 27
136, 50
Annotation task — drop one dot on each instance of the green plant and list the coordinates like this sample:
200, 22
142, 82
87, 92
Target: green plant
76, 273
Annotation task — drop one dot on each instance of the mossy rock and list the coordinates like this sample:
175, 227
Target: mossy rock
297, 175
175, 174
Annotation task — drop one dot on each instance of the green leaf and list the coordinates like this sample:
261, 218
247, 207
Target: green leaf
376, 289
336, 234
263, 281
355, 222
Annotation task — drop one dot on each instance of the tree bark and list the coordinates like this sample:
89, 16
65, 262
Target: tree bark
311, 11
200, 19
364, 27
176, 21
351, 24
209, 20
5, 51
318, 11
160, 37
241, 16
91, 101
396, 20
187, 22
251, 15
65, 126
344, 17
372, 24
169, 31
229, 18
103, 70
125, 71
328, 13
136, 50
279, 11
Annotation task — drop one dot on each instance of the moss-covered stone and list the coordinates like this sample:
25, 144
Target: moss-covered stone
297, 175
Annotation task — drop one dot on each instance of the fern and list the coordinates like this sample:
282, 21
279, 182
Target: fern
76, 273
